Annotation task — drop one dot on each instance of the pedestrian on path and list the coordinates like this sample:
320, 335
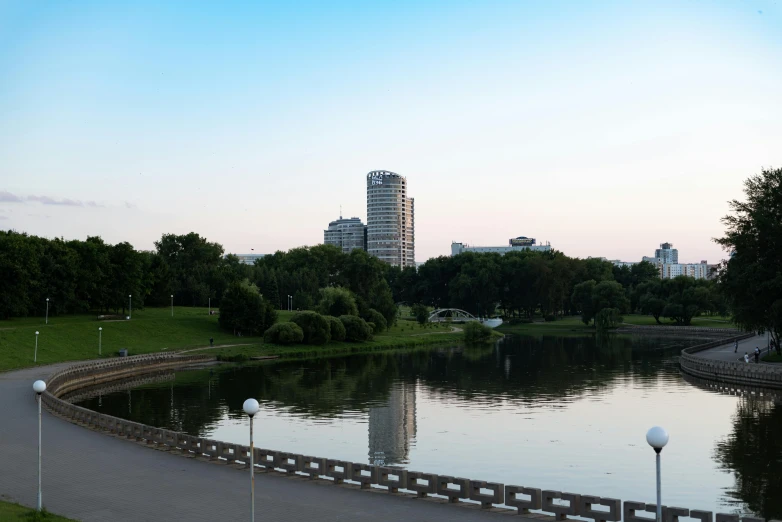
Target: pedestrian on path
746, 357
736, 346
757, 355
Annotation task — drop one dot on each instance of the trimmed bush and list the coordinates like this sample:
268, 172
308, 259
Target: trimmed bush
356, 329
373, 316
549, 318
284, 333
475, 332
337, 301
315, 327
337, 328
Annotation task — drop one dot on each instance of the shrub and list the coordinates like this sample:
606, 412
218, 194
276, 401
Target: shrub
337, 301
375, 317
549, 318
315, 327
356, 329
475, 332
284, 333
420, 312
243, 309
337, 328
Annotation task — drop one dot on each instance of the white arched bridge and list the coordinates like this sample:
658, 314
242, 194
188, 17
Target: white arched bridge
456, 315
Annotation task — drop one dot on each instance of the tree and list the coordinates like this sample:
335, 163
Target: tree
337, 301
582, 299
283, 333
652, 305
751, 279
244, 310
609, 294
421, 313
356, 329
376, 318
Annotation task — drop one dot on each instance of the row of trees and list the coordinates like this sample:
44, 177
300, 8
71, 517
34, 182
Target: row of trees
520, 284
91, 275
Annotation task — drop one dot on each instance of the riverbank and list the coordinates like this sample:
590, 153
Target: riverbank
155, 330
572, 325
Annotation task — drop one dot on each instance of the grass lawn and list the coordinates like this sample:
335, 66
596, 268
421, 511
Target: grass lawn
711, 321
153, 330
773, 358
10, 512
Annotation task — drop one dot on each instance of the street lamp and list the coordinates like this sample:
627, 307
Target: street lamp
130, 306
210, 306
35, 357
657, 438
39, 387
251, 407
172, 305
290, 303
100, 339
47, 310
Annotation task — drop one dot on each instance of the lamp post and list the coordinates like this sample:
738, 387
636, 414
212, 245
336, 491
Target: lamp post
39, 387
35, 356
251, 407
172, 305
657, 438
130, 306
100, 339
47, 310
290, 303
210, 306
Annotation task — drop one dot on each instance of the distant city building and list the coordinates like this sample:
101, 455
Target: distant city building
347, 234
248, 259
666, 259
516, 244
390, 219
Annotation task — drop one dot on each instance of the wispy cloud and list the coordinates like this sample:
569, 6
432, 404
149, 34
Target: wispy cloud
9, 198
94, 204
128, 204
46, 200
3, 217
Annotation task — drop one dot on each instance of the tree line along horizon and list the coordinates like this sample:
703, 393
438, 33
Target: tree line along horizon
81, 276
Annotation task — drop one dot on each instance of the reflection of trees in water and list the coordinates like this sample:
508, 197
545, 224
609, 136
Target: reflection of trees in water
753, 452
527, 368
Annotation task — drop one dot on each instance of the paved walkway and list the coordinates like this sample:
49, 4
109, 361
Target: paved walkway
726, 352
93, 476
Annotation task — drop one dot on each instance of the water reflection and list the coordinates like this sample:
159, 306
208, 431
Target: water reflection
520, 411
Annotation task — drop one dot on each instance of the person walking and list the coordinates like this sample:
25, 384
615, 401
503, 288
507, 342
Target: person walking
757, 355
746, 357
211, 341
736, 346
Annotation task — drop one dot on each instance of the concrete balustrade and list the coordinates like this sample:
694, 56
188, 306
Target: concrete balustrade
337, 470
524, 499
524, 506
392, 478
364, 474
312, 466
494, 495
612, 513
422, 483
453, 488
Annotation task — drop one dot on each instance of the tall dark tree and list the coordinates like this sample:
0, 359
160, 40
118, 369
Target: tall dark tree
751, 279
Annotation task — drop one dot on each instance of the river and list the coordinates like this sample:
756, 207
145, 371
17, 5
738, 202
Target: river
563, 413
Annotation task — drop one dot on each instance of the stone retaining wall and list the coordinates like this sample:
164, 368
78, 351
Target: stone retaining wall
733, 372
489, 495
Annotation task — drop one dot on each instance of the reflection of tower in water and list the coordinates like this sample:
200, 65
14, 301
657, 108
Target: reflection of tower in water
392, 426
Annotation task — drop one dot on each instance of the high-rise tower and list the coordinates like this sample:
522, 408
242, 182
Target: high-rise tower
390, 219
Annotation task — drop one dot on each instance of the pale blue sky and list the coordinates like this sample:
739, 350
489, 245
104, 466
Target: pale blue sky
605, 128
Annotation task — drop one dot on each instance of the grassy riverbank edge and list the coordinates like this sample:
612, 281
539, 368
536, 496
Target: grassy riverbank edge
10, 511
78, 338
572, 325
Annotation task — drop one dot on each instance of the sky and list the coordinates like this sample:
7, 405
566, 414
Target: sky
605, 128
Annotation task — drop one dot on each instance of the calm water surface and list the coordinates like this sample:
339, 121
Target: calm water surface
563, 413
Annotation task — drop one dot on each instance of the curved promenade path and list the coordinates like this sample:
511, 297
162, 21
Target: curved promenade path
725, 352
92, 476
